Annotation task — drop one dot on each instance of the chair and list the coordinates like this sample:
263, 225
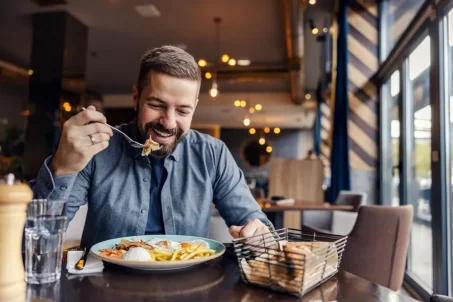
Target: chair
376, 249
440, 298
337, 222
73, 234
218, 230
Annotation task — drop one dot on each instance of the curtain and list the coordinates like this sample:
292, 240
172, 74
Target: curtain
340, 168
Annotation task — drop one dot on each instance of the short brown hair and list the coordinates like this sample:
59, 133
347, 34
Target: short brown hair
170, 60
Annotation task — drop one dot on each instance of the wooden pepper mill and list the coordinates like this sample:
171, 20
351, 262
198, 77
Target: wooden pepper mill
14, 198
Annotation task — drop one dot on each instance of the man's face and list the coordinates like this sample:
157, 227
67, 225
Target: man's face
165, 109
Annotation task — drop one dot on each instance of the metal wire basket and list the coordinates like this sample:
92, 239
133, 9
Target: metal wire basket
288, 260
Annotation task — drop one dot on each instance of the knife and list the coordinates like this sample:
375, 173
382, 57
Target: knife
81, 263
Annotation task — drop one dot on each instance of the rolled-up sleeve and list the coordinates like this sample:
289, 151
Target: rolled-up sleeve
232, 197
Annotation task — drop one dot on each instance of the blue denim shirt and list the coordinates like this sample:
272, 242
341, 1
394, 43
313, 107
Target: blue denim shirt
116, 184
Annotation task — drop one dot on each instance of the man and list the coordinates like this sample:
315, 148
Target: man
172, 190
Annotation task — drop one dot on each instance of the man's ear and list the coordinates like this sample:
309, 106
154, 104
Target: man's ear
135, 97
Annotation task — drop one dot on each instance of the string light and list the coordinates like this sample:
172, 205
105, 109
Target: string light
213, 92
246, 121
267, 130
237, 103
276, 130
225, 58
262, 141
30, 72
314, 31
202, 63
208, 75
258, 107
232, 62
252, 131
243, 103
251, 109
308, 96
312, 2
268, 149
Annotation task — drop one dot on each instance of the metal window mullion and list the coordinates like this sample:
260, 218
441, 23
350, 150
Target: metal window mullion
385, 169
438, 93
406, 145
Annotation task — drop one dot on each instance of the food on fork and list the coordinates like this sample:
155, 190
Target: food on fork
150, 146
157, 249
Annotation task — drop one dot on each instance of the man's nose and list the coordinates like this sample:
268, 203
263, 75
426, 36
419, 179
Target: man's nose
168, 120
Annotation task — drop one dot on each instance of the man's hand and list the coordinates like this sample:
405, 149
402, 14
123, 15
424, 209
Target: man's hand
253, 227
83, 136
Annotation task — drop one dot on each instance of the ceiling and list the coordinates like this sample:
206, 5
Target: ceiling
118, 36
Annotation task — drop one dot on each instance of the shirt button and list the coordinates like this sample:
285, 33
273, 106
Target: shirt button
145, 179
142, 211
63, 187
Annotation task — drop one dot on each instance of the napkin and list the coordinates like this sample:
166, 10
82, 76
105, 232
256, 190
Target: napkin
93, 264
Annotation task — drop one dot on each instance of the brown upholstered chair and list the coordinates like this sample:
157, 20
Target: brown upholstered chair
336, 222
377, 246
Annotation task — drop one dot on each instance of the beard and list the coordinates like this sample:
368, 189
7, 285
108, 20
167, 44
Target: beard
166, 149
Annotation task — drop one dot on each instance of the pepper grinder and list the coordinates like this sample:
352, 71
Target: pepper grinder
14, 198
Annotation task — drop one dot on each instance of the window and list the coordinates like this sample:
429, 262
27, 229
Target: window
419, 181
396, 16
391, 128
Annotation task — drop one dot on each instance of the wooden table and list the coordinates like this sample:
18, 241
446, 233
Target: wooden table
276, 214
216, 281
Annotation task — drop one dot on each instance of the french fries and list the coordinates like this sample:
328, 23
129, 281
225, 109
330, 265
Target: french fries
185, 252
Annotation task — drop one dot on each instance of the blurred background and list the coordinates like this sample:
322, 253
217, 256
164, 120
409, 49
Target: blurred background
270, 89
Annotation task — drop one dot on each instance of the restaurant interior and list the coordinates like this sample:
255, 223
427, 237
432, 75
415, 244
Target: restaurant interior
338, 112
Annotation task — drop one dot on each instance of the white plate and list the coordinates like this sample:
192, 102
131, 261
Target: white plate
157, 265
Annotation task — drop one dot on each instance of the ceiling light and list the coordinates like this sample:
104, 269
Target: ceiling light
208, 75
312, 2
262, 141
243, 103
314, 31
232, 62
251, 110
258, 107
308, 96
225, 58
213, 92
276, 130
267, 130
243, 62
147, 10
252, 131
237, 103
246, 121
268, 149
202, 63
30, 72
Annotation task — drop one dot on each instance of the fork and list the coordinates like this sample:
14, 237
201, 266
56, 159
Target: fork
133, 143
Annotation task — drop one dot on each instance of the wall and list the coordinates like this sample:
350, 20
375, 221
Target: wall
11, 100
290, 143
363, 39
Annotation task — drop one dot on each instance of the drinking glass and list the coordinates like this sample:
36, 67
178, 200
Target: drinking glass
44, 229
